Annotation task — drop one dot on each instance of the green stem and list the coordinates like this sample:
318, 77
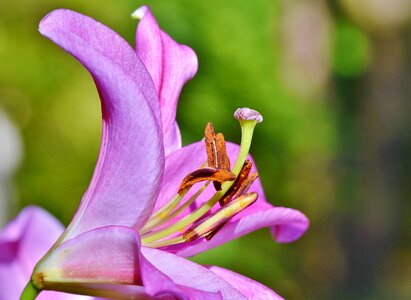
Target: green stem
30, 292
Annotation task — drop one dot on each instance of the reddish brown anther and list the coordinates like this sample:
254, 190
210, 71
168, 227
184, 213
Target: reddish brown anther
246, 184
217, 156
239, 181
212, 233
204, 174
223, 161
210, 144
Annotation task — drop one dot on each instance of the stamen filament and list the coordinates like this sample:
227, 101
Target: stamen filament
164, 211
184, 222
149, 227
168, 242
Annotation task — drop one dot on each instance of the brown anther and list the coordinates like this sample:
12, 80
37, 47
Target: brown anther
239, 181
217, 156
210, 144
212, 233
204, 174
223, 161
246, 185
190, 235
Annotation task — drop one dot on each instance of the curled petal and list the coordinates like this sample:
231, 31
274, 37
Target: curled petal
130, 163
251, 289
170, 65
196, 281
22, 243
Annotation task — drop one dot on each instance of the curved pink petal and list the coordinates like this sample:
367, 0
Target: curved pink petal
130, 163
286, 224
22, 243
107, 261
251, 289
170, 64
198, 281
102, 255
177, 165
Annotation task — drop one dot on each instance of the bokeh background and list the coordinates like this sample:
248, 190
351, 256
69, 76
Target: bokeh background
332, 79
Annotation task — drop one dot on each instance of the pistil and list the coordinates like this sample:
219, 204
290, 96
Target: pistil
248, 119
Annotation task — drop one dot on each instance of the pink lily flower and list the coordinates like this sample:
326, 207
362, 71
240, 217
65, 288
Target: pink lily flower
140, 215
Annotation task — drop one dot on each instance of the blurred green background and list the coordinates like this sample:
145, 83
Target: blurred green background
332, 80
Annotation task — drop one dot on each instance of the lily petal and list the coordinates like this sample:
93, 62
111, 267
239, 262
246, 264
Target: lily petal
197, 281
107, 262
130, 164
177, 165
22, 243
170, 65
251, 289
103, 255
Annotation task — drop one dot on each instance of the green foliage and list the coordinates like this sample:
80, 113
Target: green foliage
352, 50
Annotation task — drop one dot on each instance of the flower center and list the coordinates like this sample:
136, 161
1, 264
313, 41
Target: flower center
231, 187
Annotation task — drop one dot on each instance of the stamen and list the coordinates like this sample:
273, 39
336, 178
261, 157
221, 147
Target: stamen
243, 188
187, 220
217, 156
223, 161
246, 185
237, 183
221, 216
204, 174
211, 148
212, 233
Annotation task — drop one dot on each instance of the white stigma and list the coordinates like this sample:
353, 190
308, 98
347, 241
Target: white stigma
248, 114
